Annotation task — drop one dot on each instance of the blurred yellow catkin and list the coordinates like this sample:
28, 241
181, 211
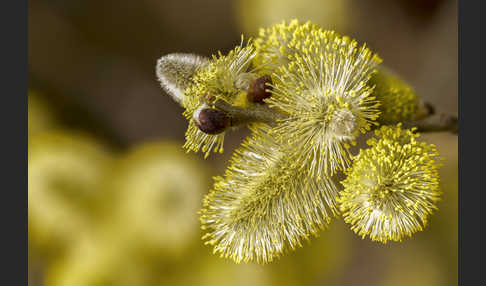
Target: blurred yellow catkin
150, 199
398, 100
64, 171
157, 190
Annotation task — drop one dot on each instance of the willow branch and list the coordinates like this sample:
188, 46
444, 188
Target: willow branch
242, 116
435, 123
429, 122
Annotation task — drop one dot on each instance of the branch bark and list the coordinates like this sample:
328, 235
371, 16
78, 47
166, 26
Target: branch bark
257, 113
435, 123
429, 122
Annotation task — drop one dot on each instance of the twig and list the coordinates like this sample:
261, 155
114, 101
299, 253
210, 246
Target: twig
241, 116
429, 121
436, 123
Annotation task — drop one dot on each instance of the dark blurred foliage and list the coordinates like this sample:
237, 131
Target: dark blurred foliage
93, 62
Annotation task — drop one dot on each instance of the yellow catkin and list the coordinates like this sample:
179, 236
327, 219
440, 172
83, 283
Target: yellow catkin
223, 78
272, 44
398, 101
263, 206
392, 187
321, 85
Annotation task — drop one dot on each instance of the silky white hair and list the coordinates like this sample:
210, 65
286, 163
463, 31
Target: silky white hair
174, 72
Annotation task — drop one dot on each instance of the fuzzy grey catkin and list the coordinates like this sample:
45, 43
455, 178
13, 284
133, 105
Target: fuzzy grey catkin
174, 72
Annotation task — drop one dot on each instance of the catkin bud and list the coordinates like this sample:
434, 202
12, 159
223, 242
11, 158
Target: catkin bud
260, 89
223, 78
211, 121
174, 72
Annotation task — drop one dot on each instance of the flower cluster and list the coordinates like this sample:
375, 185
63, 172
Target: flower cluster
262, 205
324, 94
204, 82
392, 187
310, 95
398, 101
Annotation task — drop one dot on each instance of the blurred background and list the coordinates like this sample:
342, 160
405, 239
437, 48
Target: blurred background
109, 199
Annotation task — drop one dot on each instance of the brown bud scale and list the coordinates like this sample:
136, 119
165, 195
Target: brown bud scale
212, 121
259, 89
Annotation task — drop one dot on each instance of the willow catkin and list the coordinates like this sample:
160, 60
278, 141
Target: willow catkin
398, 100
392, 187
263, 206
174, 72
64, 174
198, 83
321, 85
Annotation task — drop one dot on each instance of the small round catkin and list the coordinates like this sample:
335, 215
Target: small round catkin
392, 187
